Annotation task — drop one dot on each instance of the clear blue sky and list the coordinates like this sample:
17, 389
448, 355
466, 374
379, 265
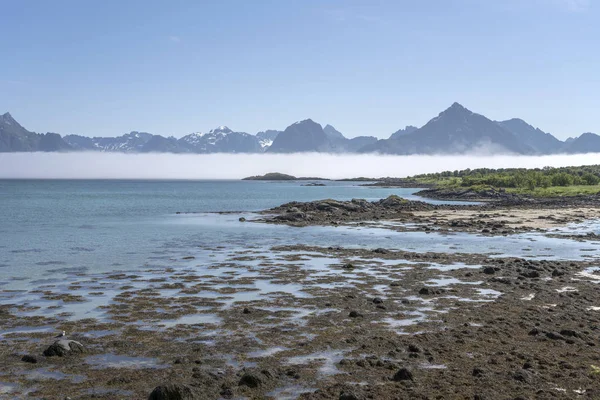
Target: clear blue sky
367, 67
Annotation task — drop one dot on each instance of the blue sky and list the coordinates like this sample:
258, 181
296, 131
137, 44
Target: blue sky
368, 67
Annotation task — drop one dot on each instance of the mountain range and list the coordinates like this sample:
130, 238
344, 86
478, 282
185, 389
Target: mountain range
455, 130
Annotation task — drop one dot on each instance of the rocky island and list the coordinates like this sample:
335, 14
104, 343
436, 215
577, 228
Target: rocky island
276, 176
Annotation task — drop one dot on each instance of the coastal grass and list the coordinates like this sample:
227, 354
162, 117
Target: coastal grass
558, 191
536, 182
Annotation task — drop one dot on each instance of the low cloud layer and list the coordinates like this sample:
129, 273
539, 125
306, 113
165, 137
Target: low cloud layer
236, 166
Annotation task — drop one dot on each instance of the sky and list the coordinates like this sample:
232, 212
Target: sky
104, 68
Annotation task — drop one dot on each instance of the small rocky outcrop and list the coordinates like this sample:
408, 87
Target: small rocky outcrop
173, 391
393, 201
28, 358
430, 291
254, 378
64, 347
403, 374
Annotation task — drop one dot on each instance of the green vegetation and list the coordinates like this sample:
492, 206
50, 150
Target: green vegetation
542, 182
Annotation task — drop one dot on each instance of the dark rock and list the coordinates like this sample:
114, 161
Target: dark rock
29, 359
489, 270
554, 336
292, 217
254, 378
523, 376
393, 201
377, 300
246, 310
530, 274
172, 391
478, 372
569, 333
348, 266
403, 374
348, 396
250, 380
354, 314
380, 251
429, 291
414, 348
534, 332
64, 347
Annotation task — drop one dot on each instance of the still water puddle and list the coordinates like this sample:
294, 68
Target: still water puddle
108, 360
192, 319
328, 360
266, 352
46, 374
290, 392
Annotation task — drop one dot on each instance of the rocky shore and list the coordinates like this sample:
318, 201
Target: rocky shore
508, 215
329, 322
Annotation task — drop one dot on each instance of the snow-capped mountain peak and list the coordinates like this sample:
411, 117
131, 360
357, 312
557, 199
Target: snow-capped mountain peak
221, 129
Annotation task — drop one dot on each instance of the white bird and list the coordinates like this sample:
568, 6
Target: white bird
63, 334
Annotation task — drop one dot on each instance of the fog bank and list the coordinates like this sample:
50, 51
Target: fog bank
236, 166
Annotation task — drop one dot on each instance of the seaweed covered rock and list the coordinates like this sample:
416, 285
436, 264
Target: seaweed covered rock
64, 347
393, 201
173, 391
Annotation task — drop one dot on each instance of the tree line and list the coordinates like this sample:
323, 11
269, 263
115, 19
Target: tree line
519, 177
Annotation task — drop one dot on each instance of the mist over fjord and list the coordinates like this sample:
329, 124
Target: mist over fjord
88, 165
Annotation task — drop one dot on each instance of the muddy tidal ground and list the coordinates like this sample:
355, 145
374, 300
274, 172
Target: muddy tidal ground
325, 322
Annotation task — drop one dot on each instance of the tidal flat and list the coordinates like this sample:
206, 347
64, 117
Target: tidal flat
478, 301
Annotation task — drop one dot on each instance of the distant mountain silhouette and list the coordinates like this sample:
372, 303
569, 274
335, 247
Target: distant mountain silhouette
132, 142
265, 138
13, 137
302, 136
221, 140
456, 130
586, 143
403, 132
538, 140
333, 133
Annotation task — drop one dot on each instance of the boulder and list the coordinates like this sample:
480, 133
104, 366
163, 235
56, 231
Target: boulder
173, 391
254, 378
489, 270
430, 291
29, 359
64, 347
348, 396
393, 201
403, 374
523, 376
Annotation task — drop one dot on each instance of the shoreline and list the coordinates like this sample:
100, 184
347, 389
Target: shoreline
337, 322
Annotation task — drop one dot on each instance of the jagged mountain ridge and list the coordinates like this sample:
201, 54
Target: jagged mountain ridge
13, 137
454, 131
541, 142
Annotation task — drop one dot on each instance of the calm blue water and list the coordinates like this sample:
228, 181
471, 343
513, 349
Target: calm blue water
54, 228
96, 225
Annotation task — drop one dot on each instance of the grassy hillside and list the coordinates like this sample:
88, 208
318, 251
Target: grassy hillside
543, 182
